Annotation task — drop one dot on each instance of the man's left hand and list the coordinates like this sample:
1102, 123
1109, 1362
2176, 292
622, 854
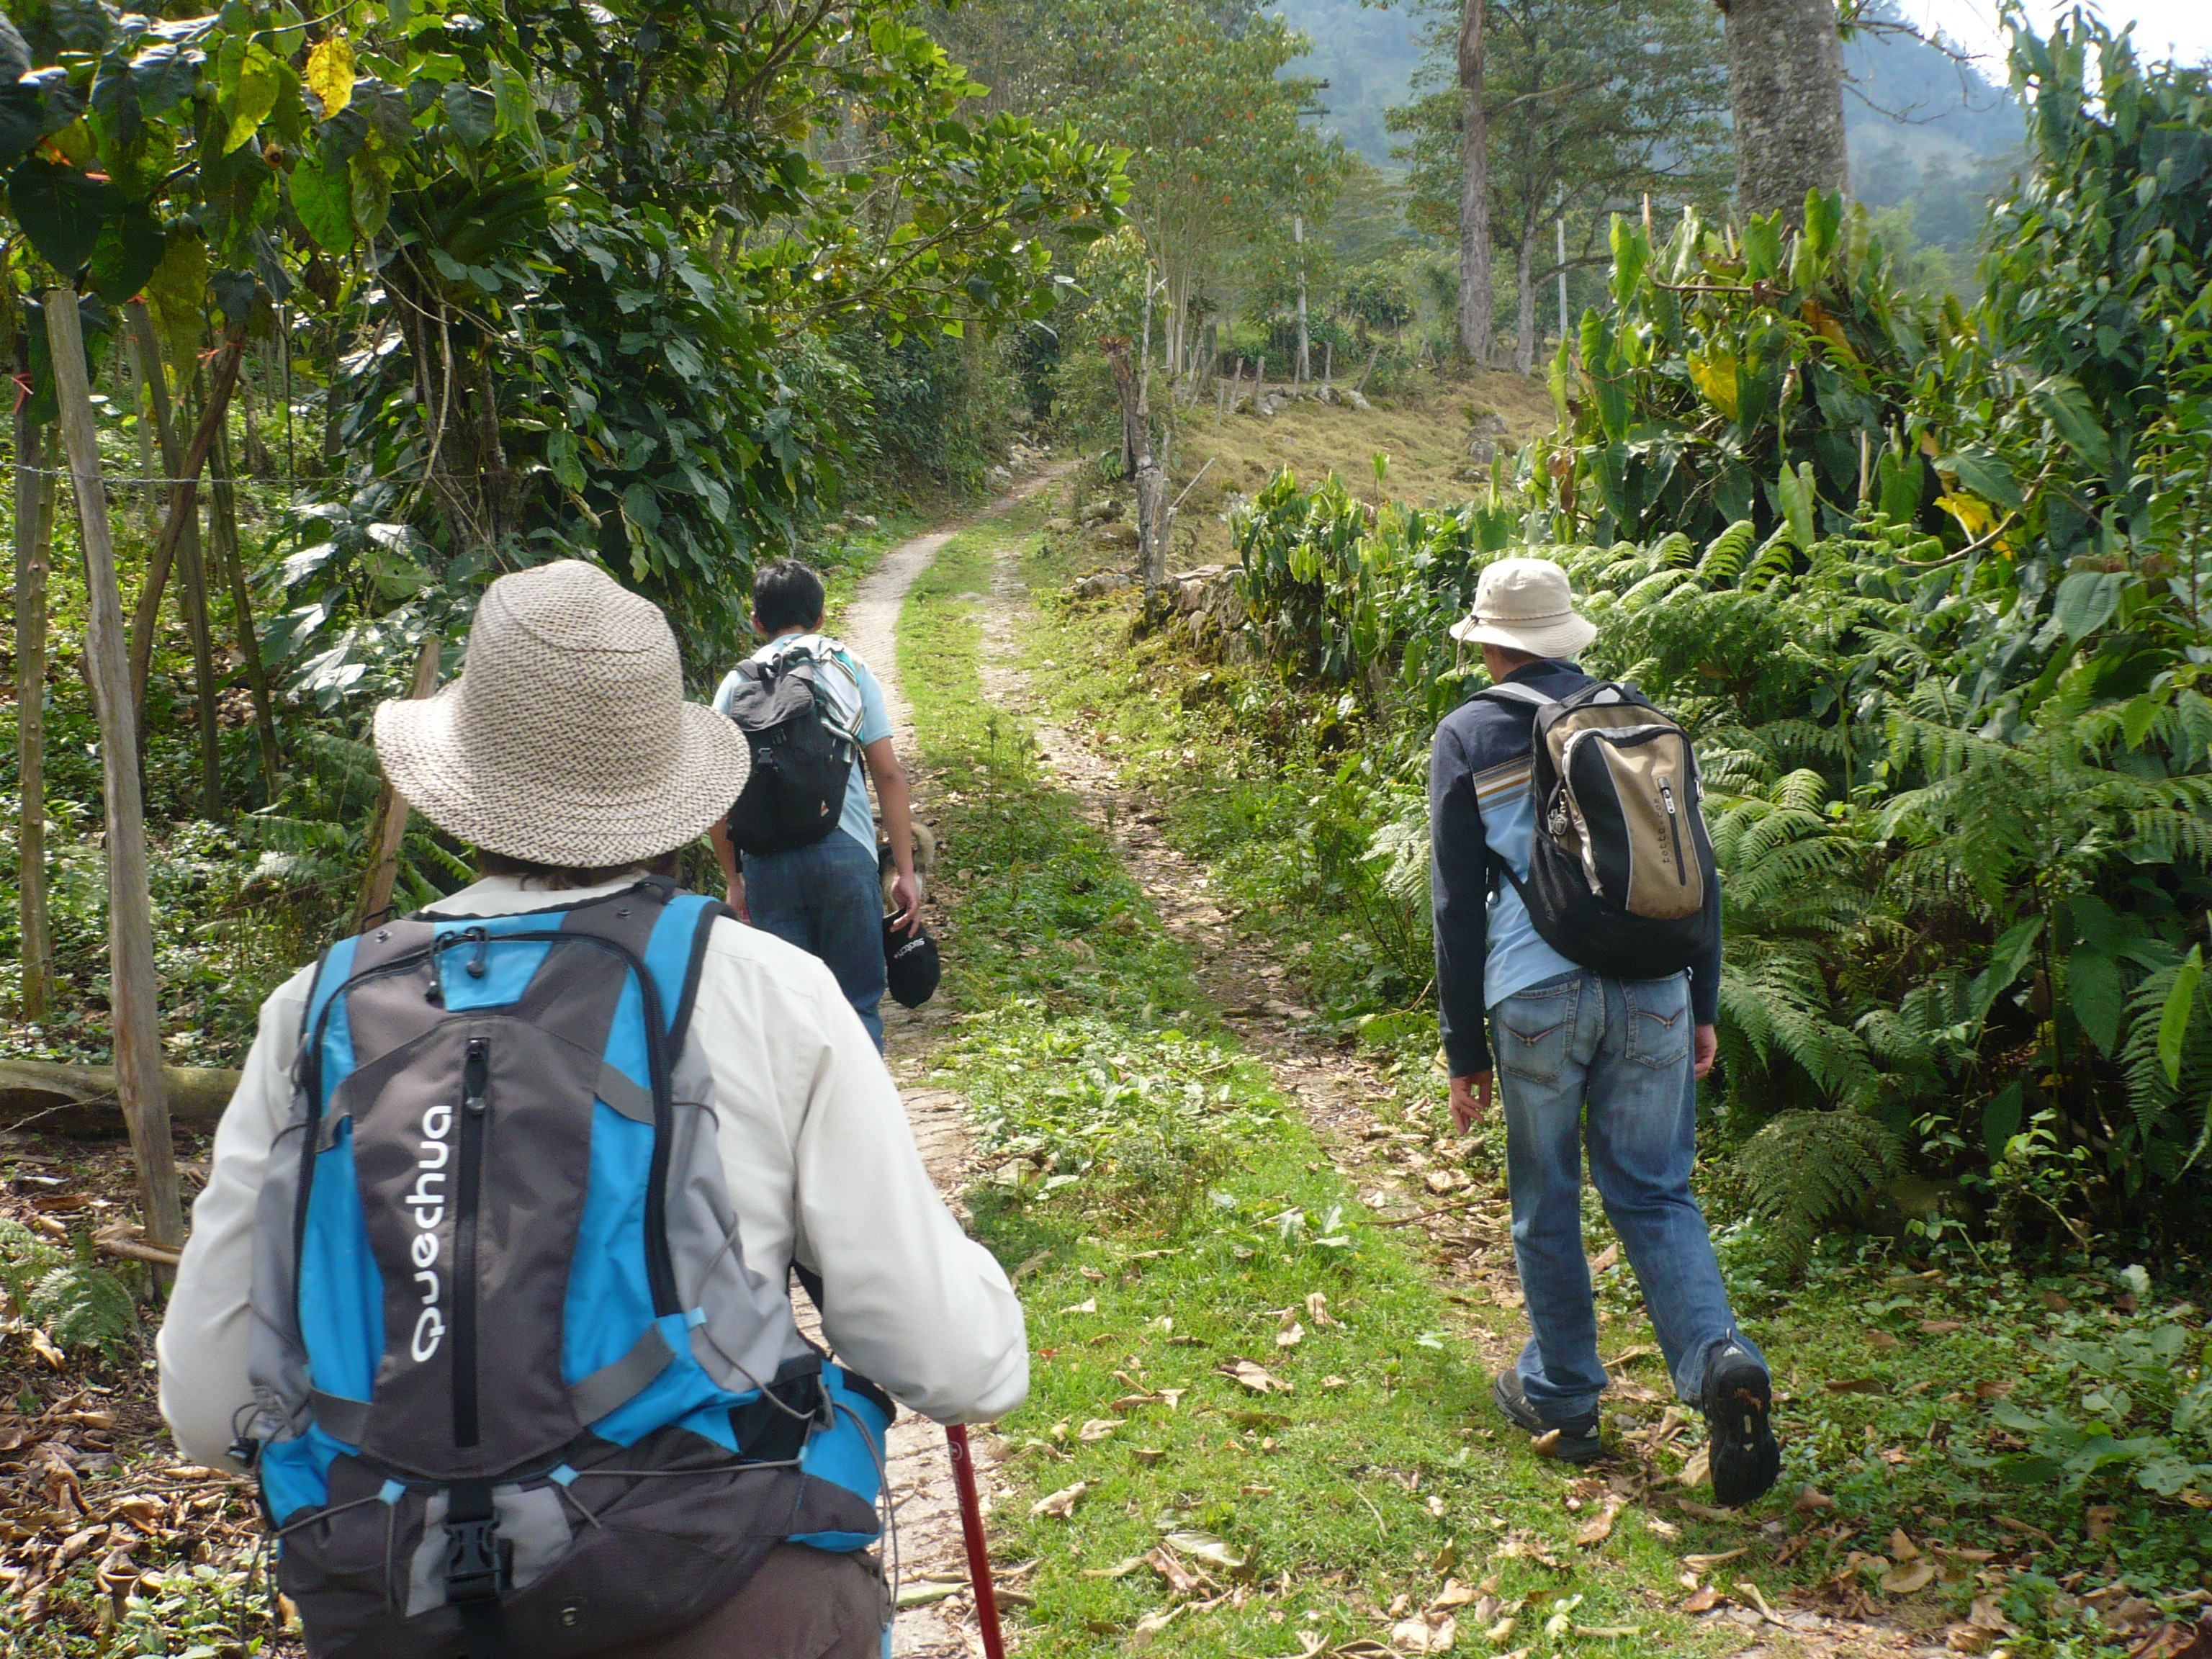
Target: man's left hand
906, 893
1706, 1049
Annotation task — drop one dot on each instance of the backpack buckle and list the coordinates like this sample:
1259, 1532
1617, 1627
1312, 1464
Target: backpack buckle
472, 1563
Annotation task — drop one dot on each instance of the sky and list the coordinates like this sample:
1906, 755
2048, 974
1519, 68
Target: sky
2181, 27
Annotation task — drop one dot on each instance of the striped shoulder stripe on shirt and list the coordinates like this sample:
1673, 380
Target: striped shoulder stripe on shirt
1494, 784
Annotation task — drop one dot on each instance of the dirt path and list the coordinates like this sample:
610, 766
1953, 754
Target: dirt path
1253, 993
931, 1557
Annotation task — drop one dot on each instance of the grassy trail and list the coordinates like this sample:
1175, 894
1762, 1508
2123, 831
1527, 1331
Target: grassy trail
1259, 1420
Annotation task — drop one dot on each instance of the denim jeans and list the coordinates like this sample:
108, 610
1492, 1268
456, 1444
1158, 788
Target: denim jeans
827, 900
1585, 1058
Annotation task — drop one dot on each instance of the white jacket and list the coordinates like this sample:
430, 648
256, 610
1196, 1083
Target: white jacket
820, 1161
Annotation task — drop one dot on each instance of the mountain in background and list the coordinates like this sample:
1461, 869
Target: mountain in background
1927, 135
1368, 55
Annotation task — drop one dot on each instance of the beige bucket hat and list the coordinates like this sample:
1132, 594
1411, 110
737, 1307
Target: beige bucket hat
566, 740
1525, 605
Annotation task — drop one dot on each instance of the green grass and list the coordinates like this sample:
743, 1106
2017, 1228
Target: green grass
1174, 1215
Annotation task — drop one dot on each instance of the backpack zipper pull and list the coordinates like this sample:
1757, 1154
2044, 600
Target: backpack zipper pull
477, 967
476, 1076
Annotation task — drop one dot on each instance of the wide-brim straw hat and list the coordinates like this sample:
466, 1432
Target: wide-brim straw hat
1526, 605
566, 740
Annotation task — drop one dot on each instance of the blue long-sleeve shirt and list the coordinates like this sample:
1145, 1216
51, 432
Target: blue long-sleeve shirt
1486, 946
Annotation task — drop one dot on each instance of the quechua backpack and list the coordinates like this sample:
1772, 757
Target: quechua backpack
802, 761
1620, 868
517, 1392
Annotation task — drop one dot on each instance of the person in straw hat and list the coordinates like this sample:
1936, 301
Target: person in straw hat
1582, 1056
566, 755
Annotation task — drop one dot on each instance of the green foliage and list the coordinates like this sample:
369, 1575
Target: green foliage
2135, 1405
1378, 296
1726, 366
1348, 608
1219, 158
577, 295
2097, 313
77, 1302
1804, 1170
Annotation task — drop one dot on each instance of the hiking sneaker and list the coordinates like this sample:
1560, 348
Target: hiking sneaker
1739, 1406
1578, 1441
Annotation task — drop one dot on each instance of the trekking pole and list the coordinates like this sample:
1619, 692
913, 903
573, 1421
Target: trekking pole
979, 1549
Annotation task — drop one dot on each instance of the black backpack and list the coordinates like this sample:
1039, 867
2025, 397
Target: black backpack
802, 763
1620, 866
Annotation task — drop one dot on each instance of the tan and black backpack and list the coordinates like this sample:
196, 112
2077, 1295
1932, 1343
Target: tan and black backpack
1620, 869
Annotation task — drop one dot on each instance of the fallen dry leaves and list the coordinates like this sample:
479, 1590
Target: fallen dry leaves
1061, 1505
1250, 1375
1599, 1527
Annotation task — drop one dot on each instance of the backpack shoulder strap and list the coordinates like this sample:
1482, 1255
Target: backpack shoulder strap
1513, 691
670, 940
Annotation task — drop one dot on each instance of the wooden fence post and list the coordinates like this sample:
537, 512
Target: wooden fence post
389, 826
134, 999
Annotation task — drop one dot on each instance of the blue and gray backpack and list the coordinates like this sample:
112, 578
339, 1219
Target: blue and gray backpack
517, 1390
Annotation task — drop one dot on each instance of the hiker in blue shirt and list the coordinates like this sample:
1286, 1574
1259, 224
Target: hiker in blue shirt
1581, 1057
826, 897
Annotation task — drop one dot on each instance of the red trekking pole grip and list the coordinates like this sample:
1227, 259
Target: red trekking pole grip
979, 1549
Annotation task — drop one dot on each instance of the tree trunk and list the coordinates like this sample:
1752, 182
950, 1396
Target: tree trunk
145, 617
1151, 523
68, 1099
1476, 296
1305, 340
155, 394
1125, 389
35, 493
193, 568
1786, 88
1525, 309
389, 827
135, 375
135, 1012
222, 525
1145, 360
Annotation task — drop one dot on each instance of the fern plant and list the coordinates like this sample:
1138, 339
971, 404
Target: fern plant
1807, 1168
77, 1301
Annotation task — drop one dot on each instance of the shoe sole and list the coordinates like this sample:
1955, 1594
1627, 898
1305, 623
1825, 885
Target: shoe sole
1565, 1450
1746, 1461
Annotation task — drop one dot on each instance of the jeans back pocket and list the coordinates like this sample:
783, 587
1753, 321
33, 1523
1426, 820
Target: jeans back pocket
1532, 1030
1658, 1020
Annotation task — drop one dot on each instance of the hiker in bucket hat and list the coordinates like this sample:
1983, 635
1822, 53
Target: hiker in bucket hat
1578, 1057
453, 1406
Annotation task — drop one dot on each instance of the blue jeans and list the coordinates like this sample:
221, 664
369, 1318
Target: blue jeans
827, 899
1581, 1057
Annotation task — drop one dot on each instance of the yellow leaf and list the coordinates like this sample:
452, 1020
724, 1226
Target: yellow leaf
1975, 516
331, 74
1716, 377
1819, 317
